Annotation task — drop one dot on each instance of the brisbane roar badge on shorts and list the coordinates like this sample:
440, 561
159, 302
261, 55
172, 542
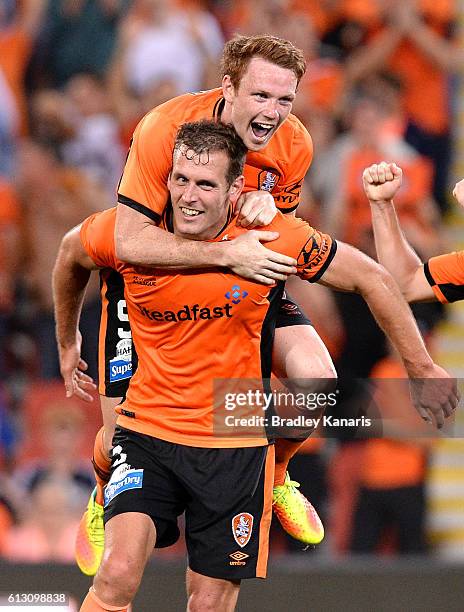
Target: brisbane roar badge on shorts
242, 528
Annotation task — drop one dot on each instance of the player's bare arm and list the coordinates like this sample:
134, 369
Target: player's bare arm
140, 242
70, 277
433, 391
381, 183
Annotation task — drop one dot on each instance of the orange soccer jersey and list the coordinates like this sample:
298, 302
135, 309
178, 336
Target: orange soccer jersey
445, 274
278, 168
193, 328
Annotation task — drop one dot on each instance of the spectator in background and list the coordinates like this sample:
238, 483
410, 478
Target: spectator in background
19, 26
54, 198
94, 147
60, 435
48, 525
10, 261
186, 42
51, 120
417, 41
77, 36
373, 134
9, 122
393, 470
78, 125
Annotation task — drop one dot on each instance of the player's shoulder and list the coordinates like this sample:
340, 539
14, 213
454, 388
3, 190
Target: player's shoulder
184, 108
293, 128
291, 229
101, 219
291, 142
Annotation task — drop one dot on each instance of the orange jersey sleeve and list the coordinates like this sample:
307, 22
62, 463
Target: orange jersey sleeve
144, 180
149, 161
97, 237
445, 274
312, 249
287, 193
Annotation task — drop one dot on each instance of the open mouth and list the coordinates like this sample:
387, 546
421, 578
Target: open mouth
191, 212
261, 130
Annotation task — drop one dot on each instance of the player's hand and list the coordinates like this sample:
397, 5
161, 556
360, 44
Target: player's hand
435, 396
72, 368
255, 209
382, 181
247, 257
458, 192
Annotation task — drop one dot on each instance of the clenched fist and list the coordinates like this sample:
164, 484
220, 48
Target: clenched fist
382, 181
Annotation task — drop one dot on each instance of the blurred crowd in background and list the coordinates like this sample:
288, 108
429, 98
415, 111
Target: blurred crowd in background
75, 78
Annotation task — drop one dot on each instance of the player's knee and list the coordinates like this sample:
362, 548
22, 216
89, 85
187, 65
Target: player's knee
118, 578
205, 601
108, 441
316, 376
312, 365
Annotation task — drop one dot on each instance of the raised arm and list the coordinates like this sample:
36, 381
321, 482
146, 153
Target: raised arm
381, 183
433, 392
70, 277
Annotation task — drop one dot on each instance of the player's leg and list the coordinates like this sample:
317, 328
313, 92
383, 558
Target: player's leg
116, 361
227, 521
368, 521
129, 541
103, 444
142, 500
207, 594
299, 355
91, 534
301, 358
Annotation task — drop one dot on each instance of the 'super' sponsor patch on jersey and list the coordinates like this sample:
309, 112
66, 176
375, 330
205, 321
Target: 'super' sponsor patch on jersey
121, 365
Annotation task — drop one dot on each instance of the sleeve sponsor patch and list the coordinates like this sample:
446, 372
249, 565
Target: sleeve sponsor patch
315, 256
289, 197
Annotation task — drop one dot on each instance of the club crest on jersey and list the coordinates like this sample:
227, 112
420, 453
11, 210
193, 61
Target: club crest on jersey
267, 180
242, 527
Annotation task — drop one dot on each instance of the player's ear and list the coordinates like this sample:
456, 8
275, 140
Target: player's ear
169, 181
235, 190
228, 90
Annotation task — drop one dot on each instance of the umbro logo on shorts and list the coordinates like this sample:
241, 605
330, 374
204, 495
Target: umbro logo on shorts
238, 558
